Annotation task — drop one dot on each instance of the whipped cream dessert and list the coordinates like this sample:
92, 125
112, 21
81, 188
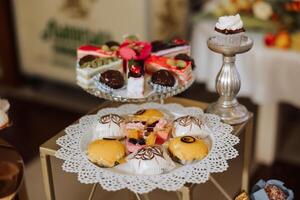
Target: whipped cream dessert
230, 24
109, 126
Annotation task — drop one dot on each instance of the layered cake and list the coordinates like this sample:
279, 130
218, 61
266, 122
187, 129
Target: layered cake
108, 49
90, 65
181, 68
170, 48
147, 68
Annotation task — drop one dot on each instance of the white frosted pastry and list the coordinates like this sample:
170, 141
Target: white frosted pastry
190, 125
229, 30
109, 126
150, 160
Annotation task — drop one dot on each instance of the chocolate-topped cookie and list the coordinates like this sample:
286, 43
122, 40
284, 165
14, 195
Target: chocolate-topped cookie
87, 58
112, 78
164, 78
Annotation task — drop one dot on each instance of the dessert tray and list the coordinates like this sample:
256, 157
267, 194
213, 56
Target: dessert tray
150, 94
218, 139
134, 70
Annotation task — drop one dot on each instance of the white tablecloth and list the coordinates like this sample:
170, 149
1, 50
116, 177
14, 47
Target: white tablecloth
267, 75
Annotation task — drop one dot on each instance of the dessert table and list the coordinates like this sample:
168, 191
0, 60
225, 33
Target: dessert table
268, 76
216, 181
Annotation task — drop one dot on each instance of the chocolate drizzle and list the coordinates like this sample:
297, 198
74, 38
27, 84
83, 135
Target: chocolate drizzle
112, 78
111, 118
188, 139
188, 121
140, 112
164, 78
148, 153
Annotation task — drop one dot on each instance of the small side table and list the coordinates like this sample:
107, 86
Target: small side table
245, 130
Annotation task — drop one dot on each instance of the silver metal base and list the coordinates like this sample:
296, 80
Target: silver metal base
228, 82
231, 115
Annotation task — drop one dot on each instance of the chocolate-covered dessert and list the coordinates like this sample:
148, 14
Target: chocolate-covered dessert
112, 78
87, 58
164, 78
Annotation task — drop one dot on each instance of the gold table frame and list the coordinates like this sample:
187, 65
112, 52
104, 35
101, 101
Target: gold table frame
49, 148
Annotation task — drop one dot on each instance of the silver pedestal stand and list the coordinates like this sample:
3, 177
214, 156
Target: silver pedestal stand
228, 83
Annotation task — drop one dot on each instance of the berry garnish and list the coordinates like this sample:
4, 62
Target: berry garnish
141, 141
132, 140
179, 41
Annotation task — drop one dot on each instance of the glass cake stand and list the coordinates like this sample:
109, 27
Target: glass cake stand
152, 96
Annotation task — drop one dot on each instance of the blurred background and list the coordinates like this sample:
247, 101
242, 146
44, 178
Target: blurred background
38, 41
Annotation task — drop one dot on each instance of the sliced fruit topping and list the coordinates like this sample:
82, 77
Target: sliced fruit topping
151, 139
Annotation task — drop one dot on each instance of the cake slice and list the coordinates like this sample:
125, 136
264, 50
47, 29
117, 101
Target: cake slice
90, 65
109, 49
181, 68
171, 48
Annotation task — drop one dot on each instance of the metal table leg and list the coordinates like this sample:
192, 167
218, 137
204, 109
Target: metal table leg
47, 176
93, 191
247, 155
219, 187
142, 196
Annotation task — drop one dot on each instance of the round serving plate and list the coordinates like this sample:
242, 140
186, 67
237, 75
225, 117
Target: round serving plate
120, 95
74, 144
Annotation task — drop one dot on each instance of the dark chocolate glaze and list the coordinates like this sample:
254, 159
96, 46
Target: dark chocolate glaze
228, 32
164, 78
112, 78
87, 58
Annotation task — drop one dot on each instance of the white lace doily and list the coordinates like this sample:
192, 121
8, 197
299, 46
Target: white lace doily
74, 144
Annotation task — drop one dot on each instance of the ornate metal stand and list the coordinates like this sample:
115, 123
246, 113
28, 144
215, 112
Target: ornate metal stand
228, 83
